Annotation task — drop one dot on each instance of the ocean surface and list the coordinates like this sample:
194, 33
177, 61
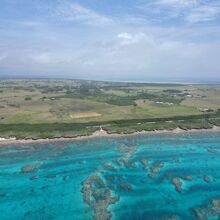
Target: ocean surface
158, 176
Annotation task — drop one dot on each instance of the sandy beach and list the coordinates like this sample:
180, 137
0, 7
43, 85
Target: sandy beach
99, 133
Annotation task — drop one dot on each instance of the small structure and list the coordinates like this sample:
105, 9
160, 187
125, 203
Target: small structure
164, 103
205, 110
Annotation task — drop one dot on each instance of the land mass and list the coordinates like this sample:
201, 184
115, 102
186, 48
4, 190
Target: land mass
52, 109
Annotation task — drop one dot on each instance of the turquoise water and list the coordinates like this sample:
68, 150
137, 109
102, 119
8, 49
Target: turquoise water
161, 176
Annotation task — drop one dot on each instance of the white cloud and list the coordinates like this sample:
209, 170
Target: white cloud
125, 36
77, 13
140, 57
128, 38
178, 3
203, 13
190, 11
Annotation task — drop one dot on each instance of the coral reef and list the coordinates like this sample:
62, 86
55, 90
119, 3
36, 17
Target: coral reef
176, 181
155, 168
188, 178
109, 167
213, 210
207, 179
144, 162
34, 177
29, 169
212, 150
97, 195
126, 186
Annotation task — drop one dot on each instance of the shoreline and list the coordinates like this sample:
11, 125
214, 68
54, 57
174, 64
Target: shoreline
100, 133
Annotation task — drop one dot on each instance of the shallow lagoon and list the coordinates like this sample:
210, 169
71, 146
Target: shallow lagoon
160, 176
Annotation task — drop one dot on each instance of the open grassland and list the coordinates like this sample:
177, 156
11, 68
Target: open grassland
54, 108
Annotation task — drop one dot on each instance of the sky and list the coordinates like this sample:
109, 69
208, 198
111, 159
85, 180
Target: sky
128, 40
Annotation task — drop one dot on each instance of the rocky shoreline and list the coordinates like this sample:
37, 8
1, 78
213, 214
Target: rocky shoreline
100, 133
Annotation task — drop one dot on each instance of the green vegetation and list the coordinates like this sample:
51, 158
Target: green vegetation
27, 98
52, 130
68, 108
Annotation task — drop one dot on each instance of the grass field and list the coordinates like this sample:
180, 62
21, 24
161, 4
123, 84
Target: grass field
40, 102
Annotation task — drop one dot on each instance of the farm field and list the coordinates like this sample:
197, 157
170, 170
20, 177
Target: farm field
78, 102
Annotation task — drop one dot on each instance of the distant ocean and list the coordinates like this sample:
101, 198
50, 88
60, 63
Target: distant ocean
158, 176
160, 80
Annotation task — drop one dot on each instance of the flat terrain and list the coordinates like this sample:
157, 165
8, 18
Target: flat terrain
73, 107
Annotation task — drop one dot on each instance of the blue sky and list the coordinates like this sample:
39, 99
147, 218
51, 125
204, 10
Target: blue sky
110, 39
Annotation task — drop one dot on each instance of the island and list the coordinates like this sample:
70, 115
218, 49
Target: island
53, 109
